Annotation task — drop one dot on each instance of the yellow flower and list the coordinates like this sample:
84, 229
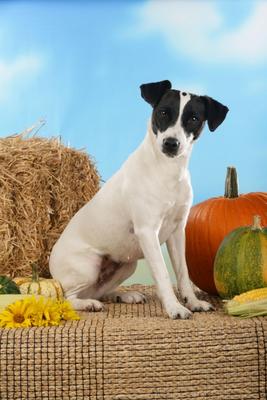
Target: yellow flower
66, 310
37, 311
46, 313
18, 314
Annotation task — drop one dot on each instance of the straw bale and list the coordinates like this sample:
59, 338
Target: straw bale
42, 185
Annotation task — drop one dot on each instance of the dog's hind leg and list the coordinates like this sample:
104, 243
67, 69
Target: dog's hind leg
78, 274
116, 296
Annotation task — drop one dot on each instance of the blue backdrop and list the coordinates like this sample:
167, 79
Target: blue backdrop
79, 64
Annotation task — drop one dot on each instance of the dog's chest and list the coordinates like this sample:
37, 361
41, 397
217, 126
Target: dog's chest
128, 248
172, 215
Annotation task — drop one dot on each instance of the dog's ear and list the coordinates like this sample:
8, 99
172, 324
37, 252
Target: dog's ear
215, 112
153, 92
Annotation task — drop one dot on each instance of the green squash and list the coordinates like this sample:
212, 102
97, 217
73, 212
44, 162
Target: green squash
241, 261
7, 286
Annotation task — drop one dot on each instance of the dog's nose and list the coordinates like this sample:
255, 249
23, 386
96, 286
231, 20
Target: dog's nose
171, 144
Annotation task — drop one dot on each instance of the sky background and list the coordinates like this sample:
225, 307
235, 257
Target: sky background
79, 65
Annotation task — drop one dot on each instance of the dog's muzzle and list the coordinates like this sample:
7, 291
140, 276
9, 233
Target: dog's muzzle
170, 146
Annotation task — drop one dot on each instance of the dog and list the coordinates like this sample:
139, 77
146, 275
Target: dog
146, 203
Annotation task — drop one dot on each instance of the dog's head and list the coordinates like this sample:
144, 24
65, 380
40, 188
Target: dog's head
179, 117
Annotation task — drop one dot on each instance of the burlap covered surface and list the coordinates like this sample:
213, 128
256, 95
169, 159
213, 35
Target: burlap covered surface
134, 352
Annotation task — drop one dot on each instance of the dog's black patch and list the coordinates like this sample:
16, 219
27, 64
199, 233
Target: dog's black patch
200, 109
194, 115
166, 113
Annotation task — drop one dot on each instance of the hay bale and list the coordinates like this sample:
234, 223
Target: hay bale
42, 185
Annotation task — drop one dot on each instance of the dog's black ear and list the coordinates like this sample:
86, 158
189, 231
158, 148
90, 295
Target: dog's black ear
215, 112
153, 92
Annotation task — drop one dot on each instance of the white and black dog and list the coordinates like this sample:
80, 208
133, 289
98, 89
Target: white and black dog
146, 203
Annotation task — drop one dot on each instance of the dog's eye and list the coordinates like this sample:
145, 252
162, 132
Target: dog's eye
194, 118
163, 113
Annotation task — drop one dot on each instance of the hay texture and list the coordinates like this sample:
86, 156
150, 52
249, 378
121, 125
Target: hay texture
42, 185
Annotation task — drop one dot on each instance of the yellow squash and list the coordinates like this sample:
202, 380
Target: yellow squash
39, 286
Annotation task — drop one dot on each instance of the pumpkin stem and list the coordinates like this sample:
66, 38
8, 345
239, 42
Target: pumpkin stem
256, 223
35, 274
231, 184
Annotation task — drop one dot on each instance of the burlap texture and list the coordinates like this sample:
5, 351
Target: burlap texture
134, 352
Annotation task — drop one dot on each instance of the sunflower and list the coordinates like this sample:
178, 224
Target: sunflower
66, 310
18, 314
47, 312
37, 311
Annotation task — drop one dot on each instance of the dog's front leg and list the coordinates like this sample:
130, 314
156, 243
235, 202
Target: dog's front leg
149, 243
176, 249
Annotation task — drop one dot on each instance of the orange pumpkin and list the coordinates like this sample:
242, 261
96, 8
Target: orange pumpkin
211, 220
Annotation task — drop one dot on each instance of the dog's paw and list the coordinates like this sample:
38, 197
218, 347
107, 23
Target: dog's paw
199, 305
177, 311
94, 305
130, 297
86, 304
89, 305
